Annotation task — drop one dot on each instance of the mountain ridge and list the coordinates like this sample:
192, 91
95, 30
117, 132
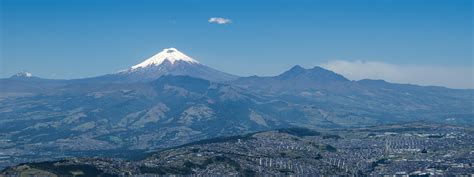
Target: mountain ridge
172, 61
70, 117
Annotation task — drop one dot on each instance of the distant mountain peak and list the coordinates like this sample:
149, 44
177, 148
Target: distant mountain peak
169, 54
169, 61
320, 68
23, 74
297, 68
317, 73
294, 71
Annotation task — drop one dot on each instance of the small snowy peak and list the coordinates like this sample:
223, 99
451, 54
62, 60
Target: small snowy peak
23, 74
170, 54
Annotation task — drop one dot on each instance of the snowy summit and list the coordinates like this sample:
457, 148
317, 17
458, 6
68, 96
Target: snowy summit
170, 61
170, 54
23, 74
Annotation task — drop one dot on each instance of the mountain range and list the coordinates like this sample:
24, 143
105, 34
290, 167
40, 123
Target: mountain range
171, 99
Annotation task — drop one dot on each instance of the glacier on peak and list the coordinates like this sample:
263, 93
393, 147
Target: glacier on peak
169, 54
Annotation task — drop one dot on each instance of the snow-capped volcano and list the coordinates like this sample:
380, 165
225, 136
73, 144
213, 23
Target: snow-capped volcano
170, 54
169, 61
23, 74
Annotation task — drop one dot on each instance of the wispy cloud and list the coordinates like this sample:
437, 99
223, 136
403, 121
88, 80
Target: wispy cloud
219, 20
453, 77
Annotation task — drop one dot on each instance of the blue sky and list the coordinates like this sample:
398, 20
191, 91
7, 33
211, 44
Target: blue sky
83, 38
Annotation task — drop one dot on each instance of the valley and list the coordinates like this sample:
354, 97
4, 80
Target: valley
403, 149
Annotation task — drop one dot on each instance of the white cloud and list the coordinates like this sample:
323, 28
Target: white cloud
452, 77
219, 20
